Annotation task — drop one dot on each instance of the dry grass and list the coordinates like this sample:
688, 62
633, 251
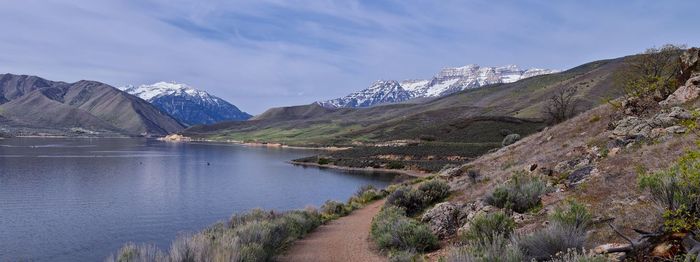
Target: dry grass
612, 191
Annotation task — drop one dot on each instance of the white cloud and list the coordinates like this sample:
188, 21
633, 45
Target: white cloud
259, 54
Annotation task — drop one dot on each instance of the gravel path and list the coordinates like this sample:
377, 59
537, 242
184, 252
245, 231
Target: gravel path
344, 239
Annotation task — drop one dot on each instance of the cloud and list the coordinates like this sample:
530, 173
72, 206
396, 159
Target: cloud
260, 54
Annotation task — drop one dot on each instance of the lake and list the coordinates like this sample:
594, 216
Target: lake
82, 199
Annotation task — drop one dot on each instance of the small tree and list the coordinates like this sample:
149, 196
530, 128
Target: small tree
653, 73
562, 105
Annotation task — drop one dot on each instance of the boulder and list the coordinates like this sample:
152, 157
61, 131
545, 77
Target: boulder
444, 219
579, 174
510, 139
688, 92
690, 63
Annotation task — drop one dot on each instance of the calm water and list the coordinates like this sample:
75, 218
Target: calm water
81, 199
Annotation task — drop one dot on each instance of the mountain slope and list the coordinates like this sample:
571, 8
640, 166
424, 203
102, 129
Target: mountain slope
186, 104
472, 116
35, 103
447, 81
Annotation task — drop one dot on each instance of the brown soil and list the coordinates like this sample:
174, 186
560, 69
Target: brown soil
344, 239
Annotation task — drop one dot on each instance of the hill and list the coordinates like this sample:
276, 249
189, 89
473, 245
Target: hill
33, 105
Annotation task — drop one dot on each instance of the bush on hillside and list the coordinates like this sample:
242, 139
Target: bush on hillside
323, 161
551, 240
334, 208
367, 194
392, 230
254, 236
519, 194
497, 249
486, 228
395, 165
575, 215
677, 191
579, 256
415, 200
434, 190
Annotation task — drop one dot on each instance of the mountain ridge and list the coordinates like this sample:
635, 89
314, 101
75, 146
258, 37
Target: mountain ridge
188, 105
447, 81
32, 103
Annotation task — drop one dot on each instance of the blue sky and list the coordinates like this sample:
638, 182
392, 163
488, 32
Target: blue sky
261, 54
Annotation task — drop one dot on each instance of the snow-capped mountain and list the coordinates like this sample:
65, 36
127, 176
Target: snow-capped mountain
380, 92
447, 81
186, 104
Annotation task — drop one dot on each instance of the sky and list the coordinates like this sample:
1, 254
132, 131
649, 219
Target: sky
259, 54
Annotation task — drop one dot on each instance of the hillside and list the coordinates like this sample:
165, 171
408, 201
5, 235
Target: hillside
452, 118
187, 104
33, 105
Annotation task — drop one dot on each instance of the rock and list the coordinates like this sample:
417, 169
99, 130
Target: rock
690, 63
614, 151
632, 125
680, 113
510, 139
580, 174
688, 92
522, 218
444, 219
676, 129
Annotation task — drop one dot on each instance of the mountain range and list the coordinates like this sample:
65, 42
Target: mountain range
445, 82
187, 104
30, 105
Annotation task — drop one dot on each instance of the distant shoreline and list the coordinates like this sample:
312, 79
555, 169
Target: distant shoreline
410, 173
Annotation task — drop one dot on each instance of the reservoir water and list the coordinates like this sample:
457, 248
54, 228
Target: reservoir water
82, 199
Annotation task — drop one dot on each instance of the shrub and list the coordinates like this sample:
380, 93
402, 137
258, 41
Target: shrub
576, 256
407, 198
510, 139
575, 215
368, 194
497, 249
555, 238
323, 161
138, 253
434, 190
404, 256
677, 191
520, 194
415, 200
334, 208
395, 165
486, 228
392, 230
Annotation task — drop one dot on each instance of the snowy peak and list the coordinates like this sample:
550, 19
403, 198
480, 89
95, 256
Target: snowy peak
449, 80
380, 92
150, 92
187, 104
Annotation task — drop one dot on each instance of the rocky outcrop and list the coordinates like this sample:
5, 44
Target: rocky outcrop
688, 92
667, 121
444, 219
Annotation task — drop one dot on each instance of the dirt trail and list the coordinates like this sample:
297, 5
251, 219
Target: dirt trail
344, 239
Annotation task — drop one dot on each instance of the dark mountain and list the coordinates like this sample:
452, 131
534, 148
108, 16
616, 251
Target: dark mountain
34, 103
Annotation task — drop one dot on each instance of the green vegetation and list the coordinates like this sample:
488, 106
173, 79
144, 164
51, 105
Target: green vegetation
323, 161
254, 236
487, 228
519, 194
677, 190
414, 201
392, 230
258, 235
489, 238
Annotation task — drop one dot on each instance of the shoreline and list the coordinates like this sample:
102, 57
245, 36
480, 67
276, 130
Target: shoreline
414, 174
257, 144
